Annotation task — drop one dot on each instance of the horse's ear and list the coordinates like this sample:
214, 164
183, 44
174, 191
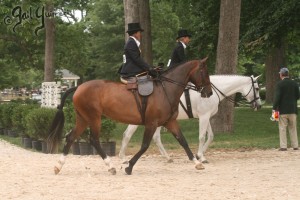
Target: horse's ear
257, 77
204, 59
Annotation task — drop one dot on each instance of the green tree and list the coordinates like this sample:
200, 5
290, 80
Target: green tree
266, 31
106, 39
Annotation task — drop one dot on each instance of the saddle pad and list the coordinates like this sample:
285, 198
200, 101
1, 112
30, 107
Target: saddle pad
145, 85
131, 83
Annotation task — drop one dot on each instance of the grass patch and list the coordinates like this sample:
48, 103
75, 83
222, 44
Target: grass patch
252, 130
13, 140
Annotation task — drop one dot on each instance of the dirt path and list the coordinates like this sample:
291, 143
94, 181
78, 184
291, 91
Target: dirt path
264, 175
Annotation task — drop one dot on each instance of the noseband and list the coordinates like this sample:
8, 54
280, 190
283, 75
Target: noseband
254, 92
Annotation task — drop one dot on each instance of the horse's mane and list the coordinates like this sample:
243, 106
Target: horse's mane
174, 66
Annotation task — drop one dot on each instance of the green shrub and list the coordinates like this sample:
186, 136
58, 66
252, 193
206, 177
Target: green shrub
6, 114
1, 122
107, 127
262, 94
19, 114
38, 122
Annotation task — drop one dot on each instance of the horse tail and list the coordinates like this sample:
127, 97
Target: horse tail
56, 128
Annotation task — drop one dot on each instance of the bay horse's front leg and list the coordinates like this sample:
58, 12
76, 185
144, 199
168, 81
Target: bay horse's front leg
174, 128
148, 134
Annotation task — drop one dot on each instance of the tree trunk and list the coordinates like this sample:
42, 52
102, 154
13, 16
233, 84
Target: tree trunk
227, 55
49, 45
146, 47
131, 13
139, 11
274, 60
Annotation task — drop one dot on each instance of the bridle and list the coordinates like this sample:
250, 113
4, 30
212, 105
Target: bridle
199, 89
230, 99
193, 87
254, 92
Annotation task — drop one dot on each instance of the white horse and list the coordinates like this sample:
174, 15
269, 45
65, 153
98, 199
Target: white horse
204, 109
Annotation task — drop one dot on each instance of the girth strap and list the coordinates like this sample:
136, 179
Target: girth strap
188, 108
141, 106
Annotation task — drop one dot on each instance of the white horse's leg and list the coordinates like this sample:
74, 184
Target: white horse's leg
157, 140
126, 137
210, 137
203, 125
60, 164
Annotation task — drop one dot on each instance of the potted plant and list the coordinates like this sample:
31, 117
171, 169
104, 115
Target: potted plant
18, 119
6, 118
85, 147
38, 122
106, 135
1, 122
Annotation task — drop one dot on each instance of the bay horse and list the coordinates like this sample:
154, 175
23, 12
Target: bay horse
223, 86
95, 98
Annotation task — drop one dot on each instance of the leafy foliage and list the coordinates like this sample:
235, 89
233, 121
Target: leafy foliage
6, 114
107, 127
38, 122
92, 46
18, 116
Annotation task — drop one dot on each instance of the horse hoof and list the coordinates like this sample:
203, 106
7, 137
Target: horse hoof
56, 170
113, 171
199, 166
170, 160
205, 161
128, 170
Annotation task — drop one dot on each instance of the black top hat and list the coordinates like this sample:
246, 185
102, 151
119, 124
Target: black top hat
183, 33
134, 27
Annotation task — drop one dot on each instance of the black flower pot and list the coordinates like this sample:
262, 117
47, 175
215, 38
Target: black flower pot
27, 143
85, 148
45, 147
37, 145
1, 131
75, 148
12, 133
109, 148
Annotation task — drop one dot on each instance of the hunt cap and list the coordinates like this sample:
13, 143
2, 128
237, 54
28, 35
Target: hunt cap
284, 70
183, 33
134, 27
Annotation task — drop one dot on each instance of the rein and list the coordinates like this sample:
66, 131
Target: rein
161, 79
180, 84
230, 99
